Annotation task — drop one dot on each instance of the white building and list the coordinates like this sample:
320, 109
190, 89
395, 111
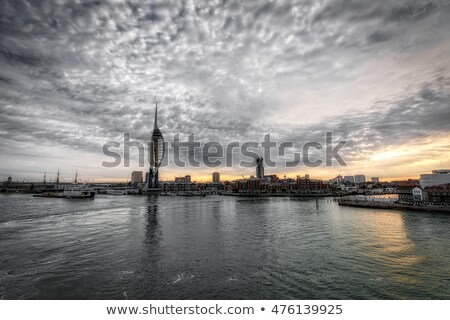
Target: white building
417, 194
349, 189
436, 178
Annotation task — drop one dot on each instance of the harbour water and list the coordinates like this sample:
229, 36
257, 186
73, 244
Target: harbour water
150, 247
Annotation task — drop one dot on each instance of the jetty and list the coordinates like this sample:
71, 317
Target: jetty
393, 205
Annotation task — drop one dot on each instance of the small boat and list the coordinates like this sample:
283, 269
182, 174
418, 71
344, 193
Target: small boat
78, 192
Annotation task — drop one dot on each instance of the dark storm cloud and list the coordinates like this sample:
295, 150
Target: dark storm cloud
379, 36
76, 74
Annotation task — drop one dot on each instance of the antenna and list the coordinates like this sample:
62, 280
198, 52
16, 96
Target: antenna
57, 178
76, 177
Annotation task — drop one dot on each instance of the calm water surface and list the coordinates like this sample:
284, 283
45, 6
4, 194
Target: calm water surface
139, 247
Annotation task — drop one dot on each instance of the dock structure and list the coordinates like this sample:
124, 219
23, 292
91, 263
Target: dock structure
392, 205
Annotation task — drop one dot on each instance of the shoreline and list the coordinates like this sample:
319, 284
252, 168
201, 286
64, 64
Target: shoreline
279, 195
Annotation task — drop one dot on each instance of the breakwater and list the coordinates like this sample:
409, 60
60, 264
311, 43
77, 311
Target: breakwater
393, 205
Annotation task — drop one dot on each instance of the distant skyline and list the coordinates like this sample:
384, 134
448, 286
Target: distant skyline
75, 75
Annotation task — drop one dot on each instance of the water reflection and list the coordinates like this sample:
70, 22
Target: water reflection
386, 242
153, 232
218, 247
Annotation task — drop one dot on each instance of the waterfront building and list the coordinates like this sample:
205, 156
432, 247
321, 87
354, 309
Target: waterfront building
437, 177
136, 177
301, 185
11, 186
247, 185
405, 194
375, 180
360, 178
349, 189
259, 168
271, 178
305, 183
373, 191
389, 190
175, 187
349, 179
417, 194
216, 177
437, 194
156, 157
337, 181
405, 183
185, 179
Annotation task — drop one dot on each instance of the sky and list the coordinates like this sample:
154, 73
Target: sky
77, 74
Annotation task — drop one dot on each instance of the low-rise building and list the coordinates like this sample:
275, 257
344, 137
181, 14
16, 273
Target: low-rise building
349, 189
410, 195
437, 194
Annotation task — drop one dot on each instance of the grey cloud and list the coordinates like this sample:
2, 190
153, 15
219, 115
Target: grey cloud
412, 10
394, 123
78, 73
379, 36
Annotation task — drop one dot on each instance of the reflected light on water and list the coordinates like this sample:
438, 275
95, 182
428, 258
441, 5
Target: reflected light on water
386, 242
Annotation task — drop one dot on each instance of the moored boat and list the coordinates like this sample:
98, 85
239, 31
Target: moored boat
78, 192
71, 191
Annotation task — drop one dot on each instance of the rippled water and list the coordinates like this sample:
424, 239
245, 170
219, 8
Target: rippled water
139, 247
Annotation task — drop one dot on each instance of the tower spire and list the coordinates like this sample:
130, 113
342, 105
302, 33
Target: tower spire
155, 125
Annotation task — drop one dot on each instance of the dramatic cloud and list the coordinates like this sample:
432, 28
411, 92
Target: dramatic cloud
76, 74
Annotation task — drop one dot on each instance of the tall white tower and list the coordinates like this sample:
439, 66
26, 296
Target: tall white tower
156, 156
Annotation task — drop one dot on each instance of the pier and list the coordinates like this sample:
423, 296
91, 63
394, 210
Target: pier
393, 205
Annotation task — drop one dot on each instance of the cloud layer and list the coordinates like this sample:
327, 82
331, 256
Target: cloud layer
75, 74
